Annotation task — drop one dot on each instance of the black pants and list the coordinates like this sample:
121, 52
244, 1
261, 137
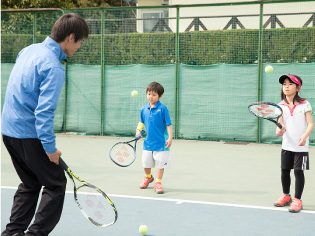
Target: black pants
35, 171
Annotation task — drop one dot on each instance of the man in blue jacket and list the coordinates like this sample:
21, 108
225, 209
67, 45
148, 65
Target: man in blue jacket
27, 126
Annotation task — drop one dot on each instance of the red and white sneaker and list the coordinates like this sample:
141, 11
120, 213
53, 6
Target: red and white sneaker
158, 188
146, 181
296, 206
284, 200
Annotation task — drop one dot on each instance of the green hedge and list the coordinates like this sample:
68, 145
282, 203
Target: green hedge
288, 45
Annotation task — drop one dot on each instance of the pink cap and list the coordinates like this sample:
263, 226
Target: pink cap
290, 77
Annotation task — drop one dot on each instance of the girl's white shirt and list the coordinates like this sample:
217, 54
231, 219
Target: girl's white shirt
294, 120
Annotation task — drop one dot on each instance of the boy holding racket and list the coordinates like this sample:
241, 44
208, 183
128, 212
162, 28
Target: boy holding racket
297, 125
27, 127
156, 147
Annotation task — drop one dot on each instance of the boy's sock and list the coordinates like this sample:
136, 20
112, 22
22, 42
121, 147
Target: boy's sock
158, 180
149, 175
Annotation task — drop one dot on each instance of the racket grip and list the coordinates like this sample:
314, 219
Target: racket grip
279, 125
63, 164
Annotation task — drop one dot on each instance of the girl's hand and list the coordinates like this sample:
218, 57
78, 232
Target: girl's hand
168, 143
281, 131
302, 141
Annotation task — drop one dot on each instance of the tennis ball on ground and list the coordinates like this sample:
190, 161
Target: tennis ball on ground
134, 93
143, 229
268, 69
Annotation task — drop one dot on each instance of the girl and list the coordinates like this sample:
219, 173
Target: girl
297, 125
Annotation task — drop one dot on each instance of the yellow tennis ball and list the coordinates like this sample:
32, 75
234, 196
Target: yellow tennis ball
134, 93
268, 69
143, 229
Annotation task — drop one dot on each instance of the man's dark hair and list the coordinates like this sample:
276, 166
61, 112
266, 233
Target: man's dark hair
67, 24
156, 87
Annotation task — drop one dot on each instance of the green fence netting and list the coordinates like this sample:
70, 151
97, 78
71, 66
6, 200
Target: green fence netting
209, 58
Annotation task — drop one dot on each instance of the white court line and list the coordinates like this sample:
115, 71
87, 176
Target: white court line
181, 201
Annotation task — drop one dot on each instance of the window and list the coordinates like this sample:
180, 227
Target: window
152, 18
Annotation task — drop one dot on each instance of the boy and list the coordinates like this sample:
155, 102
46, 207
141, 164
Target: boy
27, 127
156, 146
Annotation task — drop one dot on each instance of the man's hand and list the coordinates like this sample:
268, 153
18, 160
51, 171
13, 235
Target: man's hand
54, 157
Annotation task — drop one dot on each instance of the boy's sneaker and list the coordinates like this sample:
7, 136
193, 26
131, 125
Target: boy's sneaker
146, 182
284, 200
296, 206
158, 188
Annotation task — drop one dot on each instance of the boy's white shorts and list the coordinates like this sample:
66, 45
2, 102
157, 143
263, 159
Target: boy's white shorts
158, 159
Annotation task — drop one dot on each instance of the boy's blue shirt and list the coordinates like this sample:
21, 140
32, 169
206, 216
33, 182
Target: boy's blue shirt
32, 93
156, 120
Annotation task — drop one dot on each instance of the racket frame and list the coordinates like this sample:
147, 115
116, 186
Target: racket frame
73, 176
128, 143
266, 118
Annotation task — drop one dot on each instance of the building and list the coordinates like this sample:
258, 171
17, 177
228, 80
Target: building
276, 15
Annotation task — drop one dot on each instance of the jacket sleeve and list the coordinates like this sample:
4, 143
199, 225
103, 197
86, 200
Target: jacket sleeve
50, 89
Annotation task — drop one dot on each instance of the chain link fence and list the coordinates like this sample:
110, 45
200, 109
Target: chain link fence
209, 58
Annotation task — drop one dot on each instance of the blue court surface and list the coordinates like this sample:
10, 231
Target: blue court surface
228, 193
169, 217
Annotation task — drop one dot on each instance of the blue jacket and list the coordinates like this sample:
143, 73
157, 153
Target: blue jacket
32, 94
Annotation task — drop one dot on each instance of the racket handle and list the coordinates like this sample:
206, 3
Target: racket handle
63, 164
279, 125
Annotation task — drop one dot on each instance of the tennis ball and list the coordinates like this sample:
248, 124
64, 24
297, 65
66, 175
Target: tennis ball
268, 69
134, 93
143, 229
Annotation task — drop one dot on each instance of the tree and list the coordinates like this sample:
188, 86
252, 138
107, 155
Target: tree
24, 4
63, 4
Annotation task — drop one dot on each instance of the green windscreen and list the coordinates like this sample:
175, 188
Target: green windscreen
210, 60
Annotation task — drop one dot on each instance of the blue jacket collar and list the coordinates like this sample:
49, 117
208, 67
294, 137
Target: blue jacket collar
55, 47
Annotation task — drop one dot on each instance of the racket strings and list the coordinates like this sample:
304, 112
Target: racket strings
95, 206
122, 153
265, 111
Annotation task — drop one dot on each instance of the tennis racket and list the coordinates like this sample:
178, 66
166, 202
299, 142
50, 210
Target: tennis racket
266, 110
93, 203
124, 153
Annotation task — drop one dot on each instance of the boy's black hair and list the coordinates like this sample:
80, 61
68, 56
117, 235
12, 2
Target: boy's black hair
296, 98
67, 24
156, 87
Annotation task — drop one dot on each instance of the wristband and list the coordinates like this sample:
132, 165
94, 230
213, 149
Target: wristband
140, 126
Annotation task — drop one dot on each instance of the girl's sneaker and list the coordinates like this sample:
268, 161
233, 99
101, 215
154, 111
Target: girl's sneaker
284, 200
296, 206
146, 182
158, 188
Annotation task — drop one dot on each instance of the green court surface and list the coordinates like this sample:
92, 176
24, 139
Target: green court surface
211, 188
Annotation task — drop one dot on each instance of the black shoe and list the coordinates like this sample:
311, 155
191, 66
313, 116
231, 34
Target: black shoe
20, 233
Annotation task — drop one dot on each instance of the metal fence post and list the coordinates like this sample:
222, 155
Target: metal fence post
177, 75
260, 64
34, 26
102, 73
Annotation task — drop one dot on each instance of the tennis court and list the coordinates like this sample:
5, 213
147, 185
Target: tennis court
210, 58
212, 188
